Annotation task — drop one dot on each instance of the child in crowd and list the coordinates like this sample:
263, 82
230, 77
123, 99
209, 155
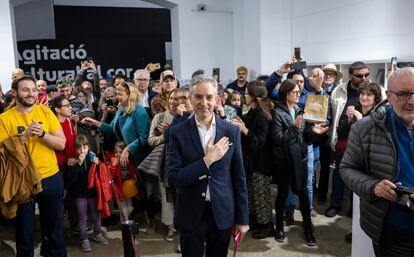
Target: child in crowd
235, 100
120, 174
85, 198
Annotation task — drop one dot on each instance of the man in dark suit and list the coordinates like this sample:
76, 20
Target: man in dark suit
205, 165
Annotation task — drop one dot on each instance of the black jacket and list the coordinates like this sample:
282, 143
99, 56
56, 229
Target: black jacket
289, 150
256, 144
78, 180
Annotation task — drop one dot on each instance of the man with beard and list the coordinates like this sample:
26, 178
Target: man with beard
343, 97
39, 129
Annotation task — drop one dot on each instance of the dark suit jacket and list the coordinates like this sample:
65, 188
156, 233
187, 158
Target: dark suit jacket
188, 173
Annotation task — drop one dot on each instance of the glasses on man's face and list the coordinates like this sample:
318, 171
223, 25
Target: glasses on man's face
402, 95
142, 80
183, 98
360, 76
330, 75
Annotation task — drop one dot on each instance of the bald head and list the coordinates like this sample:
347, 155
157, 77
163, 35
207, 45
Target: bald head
316, 78
17, 73
41, 85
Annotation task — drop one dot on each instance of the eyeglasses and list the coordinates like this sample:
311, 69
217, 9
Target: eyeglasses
402, 95
330, 74
295, 92
183, 98
360, 76
142, 80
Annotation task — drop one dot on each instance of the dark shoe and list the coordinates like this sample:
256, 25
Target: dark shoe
280, 236
332, 211
348, 238
310, 239
288, 219
267, 231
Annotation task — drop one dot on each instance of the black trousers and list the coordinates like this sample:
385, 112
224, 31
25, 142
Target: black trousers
282, 193
394, 243
192, 241
50, 202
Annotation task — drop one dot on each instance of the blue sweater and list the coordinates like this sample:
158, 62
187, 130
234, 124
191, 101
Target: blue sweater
396, 217
132, 128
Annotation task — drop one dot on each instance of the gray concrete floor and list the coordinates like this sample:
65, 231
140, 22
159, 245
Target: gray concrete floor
329, 233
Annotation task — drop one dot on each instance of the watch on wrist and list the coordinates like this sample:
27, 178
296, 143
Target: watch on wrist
43, 134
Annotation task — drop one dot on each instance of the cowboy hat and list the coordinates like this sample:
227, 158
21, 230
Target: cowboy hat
332, 67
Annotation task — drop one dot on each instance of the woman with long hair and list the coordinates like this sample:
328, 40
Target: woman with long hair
254, 126
130, 124
289, 155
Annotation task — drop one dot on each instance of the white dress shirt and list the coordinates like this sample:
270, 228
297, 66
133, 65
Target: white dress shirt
205, 135
143, 99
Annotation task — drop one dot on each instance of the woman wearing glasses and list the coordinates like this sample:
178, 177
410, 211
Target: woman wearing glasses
130, 124
289, 152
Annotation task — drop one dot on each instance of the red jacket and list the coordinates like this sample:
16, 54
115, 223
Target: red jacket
69, 151
99, 178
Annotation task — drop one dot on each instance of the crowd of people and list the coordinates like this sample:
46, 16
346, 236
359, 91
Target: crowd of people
204, 156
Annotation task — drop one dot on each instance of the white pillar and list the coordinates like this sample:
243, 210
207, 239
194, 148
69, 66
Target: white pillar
8, 46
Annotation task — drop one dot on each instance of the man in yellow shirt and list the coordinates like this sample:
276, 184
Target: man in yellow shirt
40, 130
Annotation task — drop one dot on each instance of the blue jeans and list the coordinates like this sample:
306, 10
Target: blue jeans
338, 185
313, 156
50, 202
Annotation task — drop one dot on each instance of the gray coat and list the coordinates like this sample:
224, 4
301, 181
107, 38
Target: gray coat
369, 158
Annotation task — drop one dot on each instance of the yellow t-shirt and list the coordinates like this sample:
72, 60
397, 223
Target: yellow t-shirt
13, 123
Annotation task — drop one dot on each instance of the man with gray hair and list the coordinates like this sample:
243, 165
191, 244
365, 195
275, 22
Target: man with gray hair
378, 161
142, 81
205, 165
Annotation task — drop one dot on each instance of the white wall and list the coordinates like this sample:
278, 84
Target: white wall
203, 40
261, 34
276, 34
41, 19
347, 30
7, 47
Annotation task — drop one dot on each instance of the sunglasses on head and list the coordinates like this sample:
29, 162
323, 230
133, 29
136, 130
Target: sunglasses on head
360, 76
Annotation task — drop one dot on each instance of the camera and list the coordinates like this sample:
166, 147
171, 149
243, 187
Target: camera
201, 7
404, 193
109, 102
298, 66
